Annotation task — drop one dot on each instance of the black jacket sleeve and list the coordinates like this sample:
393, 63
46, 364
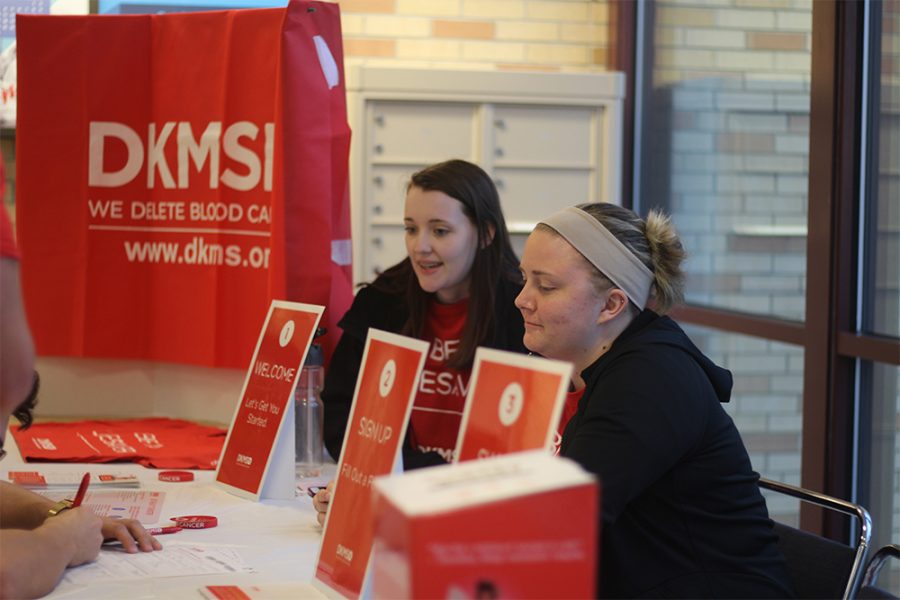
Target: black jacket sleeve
370, 308
340, 380
337, 396
416, 459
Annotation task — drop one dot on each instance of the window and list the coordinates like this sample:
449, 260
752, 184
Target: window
726, 130
770, 130
766, 403
724, 150
879, 284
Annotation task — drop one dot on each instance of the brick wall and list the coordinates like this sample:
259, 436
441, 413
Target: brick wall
543, 35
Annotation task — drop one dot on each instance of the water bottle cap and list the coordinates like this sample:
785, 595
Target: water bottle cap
315, 357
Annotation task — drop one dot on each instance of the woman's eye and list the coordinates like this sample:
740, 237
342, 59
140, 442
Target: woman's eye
409, 229
441, 232
542, 288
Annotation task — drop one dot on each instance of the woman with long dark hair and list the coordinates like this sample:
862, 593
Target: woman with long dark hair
455, 289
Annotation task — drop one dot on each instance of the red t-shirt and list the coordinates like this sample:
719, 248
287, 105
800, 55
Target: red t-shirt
437, 410
155, 442
569, 408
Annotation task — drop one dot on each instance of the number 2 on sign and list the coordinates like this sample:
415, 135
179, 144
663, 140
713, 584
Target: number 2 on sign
388, 374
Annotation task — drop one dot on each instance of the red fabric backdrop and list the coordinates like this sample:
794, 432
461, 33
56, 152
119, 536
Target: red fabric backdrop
176, 172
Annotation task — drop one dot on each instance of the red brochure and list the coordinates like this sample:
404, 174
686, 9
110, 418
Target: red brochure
514, 403
385, 390
259, 421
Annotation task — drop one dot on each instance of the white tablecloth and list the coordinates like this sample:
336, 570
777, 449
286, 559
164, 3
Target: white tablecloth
278, 539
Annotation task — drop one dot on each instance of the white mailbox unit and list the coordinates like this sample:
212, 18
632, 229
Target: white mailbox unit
549, 140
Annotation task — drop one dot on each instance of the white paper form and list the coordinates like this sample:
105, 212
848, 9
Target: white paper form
142, 506
172, 561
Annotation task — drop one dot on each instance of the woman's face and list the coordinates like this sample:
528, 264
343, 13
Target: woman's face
441, 242
559, 302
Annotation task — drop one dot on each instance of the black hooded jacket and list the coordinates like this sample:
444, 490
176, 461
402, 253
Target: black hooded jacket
682, 515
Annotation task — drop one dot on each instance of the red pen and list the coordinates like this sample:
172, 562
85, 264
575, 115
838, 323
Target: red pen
82, 490
162, 530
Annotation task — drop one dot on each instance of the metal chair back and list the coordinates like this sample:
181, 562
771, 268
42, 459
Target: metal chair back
869, 588
821, 567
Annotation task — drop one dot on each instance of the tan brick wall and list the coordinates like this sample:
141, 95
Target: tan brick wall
758, 40
476, 30
540, 35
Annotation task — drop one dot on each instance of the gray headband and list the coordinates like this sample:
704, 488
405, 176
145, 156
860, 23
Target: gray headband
604, 251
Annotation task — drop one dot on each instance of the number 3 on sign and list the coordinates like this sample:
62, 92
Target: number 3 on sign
511, 401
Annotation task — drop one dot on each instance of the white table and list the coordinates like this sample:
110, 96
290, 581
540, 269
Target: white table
279, 539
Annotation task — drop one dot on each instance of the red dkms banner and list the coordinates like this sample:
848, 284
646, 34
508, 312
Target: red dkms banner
175, 173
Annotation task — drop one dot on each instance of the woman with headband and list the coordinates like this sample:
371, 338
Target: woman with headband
682, 515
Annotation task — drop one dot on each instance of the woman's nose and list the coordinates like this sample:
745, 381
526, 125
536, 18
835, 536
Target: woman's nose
421, 244
522, 301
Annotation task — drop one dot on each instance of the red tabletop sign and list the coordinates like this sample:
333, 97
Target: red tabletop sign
385, 390
514, 403
259, 418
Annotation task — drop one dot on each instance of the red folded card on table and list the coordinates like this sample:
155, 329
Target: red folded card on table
159, 443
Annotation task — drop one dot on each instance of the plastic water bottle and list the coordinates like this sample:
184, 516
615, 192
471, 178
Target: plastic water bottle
309, 415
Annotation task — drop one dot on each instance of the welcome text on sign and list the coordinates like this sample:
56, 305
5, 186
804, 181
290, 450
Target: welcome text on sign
265, 369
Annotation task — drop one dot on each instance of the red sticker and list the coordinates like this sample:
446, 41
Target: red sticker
195, 521
176, 476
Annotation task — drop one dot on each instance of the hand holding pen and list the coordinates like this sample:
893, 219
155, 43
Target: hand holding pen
66, 504
82, 490
89, 531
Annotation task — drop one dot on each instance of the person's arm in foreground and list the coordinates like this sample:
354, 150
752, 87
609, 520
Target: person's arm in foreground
16, 346
36, 548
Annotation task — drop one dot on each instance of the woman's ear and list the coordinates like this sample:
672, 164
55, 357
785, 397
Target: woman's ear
616, 303
489, 239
